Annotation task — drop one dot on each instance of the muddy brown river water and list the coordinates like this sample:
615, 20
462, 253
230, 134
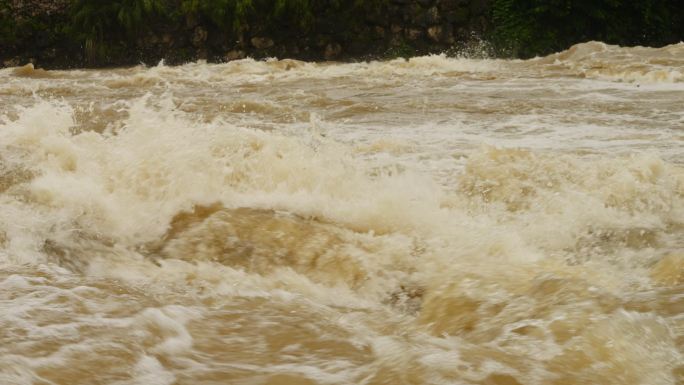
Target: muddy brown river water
426, 221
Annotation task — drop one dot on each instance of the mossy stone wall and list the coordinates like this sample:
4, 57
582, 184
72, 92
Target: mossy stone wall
43, 32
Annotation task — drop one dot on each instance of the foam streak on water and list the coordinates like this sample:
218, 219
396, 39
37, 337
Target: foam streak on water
430, 221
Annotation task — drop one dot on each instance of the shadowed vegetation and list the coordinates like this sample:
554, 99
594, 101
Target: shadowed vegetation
94, 21
525, 28
105, 27
119, 32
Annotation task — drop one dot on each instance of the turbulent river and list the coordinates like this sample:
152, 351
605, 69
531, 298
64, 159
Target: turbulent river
426, 221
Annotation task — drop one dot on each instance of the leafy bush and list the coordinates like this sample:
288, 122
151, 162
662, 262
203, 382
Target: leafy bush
230, 15
7, 24
225, 14
119, 29
96, 22
532, 27
103, 27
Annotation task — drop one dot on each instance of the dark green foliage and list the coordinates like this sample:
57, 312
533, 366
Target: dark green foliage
8, 26
116, 32
96, 18
104, 26
225, 14
298, 12
533, 27
231, 15
400, 50
302, 14
99, 23
19, 25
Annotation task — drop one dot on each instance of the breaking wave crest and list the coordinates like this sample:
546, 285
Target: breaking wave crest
169, 243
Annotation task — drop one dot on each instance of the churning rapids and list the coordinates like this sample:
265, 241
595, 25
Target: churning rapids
431, 221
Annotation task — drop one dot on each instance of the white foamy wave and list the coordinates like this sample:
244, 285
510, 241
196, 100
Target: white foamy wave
597, 60
345, 224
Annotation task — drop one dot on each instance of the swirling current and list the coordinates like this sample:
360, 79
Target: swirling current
435, 220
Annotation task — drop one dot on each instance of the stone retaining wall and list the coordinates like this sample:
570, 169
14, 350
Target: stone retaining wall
397, 28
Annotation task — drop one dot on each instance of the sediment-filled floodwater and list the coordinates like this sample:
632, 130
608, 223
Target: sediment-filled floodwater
431, 221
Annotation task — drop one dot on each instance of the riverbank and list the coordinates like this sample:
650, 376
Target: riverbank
52, 34
89, 33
